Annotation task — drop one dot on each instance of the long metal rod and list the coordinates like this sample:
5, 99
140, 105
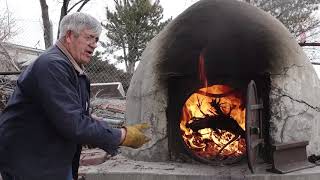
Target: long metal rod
10, 73
310, 44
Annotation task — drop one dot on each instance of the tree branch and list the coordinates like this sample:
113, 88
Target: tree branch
74, 5
47, 28
84, 3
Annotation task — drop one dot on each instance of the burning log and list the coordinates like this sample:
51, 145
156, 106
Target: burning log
212, 123
219, 121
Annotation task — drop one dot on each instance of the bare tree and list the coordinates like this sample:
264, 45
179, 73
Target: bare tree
47, 26
7, 31
65, 9
296, 15
7, 26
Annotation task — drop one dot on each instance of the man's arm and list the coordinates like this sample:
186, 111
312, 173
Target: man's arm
56, 92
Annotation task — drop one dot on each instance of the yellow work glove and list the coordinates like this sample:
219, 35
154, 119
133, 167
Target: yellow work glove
134, 137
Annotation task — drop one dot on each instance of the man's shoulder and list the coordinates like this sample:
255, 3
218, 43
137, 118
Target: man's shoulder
53, 53
52, 56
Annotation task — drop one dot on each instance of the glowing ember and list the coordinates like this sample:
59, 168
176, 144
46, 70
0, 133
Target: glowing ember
213, 123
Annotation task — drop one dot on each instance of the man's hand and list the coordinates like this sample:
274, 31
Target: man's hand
134, 137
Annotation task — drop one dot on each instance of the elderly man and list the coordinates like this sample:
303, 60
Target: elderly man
47, 118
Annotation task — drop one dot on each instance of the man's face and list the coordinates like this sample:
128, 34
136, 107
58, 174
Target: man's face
81, 47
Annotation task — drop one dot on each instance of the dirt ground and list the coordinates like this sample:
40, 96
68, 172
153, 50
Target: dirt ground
121, 164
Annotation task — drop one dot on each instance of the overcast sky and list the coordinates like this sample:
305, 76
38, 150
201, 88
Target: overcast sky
28, 16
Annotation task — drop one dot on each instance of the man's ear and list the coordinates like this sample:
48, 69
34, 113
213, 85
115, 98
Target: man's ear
69, 36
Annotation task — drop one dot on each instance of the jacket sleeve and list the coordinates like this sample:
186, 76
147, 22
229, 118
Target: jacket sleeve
56, 91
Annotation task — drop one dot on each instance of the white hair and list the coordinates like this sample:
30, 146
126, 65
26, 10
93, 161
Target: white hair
78, 21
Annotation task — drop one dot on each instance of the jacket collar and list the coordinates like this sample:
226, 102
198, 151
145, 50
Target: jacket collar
71, 59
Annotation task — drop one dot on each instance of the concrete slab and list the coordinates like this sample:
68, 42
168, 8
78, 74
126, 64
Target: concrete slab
120, 168
107, 90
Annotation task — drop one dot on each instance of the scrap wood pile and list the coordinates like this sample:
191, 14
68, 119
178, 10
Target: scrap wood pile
7, 86
112, 110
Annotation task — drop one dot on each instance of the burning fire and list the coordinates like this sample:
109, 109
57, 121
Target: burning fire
213, 123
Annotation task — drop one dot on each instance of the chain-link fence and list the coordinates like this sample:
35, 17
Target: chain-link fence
111, 107
102, 72
98, 71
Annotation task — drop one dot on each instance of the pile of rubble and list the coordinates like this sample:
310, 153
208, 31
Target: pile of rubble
111, 110
7, 86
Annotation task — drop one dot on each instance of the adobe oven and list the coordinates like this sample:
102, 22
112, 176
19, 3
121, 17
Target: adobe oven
217, 64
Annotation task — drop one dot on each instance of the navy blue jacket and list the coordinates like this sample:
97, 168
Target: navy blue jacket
45, 119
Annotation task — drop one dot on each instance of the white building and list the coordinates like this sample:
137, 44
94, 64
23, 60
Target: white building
15, 57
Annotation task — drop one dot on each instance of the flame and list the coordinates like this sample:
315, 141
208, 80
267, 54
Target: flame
208, 142
202, 71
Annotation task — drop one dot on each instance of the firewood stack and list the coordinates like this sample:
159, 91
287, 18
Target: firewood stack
7, 86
